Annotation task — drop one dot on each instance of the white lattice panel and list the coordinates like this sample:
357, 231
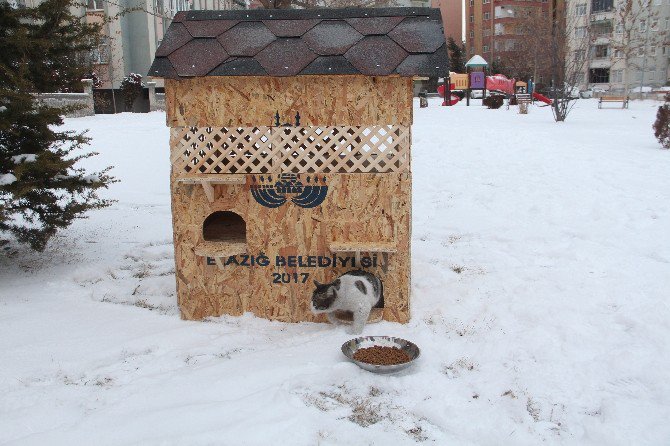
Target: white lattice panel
314, 149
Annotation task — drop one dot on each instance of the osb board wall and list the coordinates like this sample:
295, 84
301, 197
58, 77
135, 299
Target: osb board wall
357, 208
246, 101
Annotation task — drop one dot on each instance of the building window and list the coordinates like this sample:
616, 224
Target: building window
601, 5
580, 31
599, 75
618, 54
485, 48
472, 19
472, 34
617, 76
652, 76
652, 51
486, 1
94, 5
100, 54
159, 7
602, 29
487, 15
643, 25
600, 51
580, 10
472, 2
640, 51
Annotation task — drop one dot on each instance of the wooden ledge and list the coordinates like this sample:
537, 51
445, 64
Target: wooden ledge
220, 249
206, 181
214, 179
362, 247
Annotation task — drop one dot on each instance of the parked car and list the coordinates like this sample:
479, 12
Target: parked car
592, 91
459, 93
561, 93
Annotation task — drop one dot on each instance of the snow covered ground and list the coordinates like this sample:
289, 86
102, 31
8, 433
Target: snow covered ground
541, 277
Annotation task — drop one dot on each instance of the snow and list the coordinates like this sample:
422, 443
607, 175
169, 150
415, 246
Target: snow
24, 158
6, 179
476, 61
541, 264
93, 178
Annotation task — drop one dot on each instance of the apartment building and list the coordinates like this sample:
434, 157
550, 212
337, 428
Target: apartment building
131, 39
621, 51
452, 18
492, 29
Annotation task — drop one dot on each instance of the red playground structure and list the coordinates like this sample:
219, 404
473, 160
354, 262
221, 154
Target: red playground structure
453, 99
496, 83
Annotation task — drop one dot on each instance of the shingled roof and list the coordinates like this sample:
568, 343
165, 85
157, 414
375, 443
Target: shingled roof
368, 41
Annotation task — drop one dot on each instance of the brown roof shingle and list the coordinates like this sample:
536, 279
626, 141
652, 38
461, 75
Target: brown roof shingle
368, 41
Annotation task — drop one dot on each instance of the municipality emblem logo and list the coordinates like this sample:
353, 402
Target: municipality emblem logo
274, 192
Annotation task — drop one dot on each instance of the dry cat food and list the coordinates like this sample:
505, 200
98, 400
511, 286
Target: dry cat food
381, 355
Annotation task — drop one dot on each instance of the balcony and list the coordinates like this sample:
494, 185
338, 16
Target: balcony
600, 63
502, 12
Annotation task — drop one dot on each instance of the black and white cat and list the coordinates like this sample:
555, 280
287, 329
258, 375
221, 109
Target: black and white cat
356, 291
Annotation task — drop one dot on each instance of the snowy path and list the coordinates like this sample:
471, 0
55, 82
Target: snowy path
541, 270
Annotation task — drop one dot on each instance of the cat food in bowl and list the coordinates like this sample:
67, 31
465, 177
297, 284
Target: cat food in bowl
381, 354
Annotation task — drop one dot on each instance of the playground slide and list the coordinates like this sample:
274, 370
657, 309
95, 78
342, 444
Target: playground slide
453, 98
541, 97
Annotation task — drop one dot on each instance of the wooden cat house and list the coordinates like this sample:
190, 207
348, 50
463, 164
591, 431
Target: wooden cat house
290, 135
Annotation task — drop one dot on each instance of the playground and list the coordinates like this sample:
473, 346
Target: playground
539, 287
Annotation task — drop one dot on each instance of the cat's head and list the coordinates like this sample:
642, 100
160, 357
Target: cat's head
324, 295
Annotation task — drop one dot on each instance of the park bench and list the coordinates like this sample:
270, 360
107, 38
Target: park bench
605, 99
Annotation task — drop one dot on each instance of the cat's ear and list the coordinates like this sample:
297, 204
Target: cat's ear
336, 284
316, 284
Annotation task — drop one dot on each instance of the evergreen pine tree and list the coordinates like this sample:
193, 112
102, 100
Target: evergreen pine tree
662, 124
44, 49
456, 56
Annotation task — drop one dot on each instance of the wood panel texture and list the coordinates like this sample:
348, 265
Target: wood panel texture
359, 210
249, 101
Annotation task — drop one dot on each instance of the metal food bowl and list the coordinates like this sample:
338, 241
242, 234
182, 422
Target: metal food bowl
350, 347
